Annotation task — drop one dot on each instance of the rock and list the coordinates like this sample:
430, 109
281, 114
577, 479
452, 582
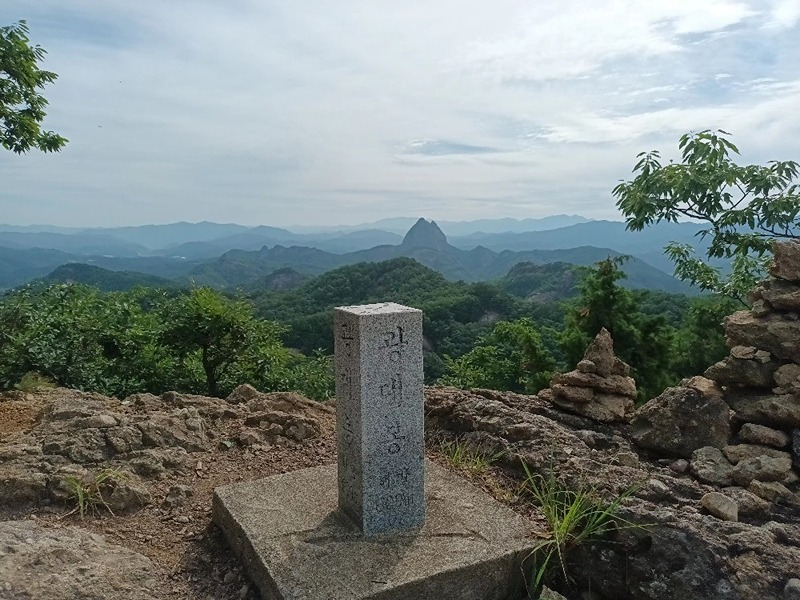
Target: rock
709, 465
680, 421
766, 436
749, 504
20, 485
771, 491
773, 333
792, 590
760, 308
796, 449
601, 353
183, 428
786, 260
126, 494
680, 552
620, 368
744, 352
740, 452
599, 388
781, 295
707, 388
243, 393
605, 408
569, 393
548, 594
679, 466
69, 563
177, 495
612, 384
762, 468
746, 372
720, 506
124, 439
766, 409
788, 376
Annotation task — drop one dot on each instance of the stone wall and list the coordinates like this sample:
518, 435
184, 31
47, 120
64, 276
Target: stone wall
761, 380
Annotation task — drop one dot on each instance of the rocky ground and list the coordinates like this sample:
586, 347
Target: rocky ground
168, 453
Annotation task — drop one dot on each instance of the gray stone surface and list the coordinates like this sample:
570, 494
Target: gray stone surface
682, 419
786, 264
297, 545
380, 416
759, 434
792, 589
38, 563
720, 506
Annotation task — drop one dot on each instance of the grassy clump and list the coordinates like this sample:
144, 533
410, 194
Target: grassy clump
467, 457
87, 492
573, 517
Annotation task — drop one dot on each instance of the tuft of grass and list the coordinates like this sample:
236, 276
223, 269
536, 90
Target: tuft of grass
87, 492
33, 381
573, 518
467, 457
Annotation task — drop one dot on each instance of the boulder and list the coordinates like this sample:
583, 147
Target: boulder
709, 465
761, 468
781, 410
791, 591
771, 491
786, 262
774, 333
743, 371
796, 448
788, 377
739, 452
69, 563
681, 420
781, 295
766, 436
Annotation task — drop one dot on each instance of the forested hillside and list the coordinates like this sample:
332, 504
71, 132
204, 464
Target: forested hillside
508, 334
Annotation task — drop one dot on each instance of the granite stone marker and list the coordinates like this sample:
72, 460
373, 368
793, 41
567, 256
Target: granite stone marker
380, 416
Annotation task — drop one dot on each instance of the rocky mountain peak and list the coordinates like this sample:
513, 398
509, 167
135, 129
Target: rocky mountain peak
425, 234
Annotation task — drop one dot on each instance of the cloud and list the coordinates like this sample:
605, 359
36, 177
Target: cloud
264, 112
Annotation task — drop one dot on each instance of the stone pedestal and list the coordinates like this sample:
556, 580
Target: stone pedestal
297, 545
380, 416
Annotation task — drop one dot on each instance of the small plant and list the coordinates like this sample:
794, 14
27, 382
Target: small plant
87, 492
33, 381
467, 457
573, 517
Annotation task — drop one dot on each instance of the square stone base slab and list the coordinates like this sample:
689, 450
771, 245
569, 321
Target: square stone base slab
296, 545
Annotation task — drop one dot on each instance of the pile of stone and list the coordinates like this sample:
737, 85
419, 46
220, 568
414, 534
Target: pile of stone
599, 388
761, 379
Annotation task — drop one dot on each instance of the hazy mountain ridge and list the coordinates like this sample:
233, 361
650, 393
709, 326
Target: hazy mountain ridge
267, 249
426, 244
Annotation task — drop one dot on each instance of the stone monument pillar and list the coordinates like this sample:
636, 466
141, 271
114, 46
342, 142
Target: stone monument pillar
380, 416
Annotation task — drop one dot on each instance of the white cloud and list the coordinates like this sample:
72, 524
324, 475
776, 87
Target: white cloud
262, 112
784, 14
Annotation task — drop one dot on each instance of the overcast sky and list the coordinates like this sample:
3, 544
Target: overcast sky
341, 112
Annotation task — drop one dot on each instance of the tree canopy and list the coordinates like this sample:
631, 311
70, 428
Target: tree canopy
22, 107
745, 207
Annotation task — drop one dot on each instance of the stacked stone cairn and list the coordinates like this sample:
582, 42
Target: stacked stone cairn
761, 381
599, 388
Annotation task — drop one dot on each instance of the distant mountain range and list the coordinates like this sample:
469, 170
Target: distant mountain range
425, 242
